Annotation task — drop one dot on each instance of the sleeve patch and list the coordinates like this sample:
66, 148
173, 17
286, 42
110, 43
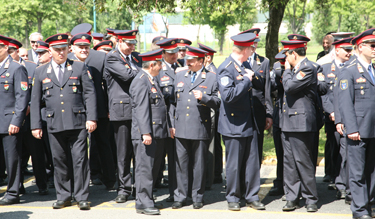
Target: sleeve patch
300, 75
224, 81
24, 85
321, 77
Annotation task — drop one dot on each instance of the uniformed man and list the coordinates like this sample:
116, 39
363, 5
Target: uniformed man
343, 49
195, 93
237, 124
120, 70
214, 164
356, 102
32, 55
43, 54
69, 94
23, 54
276, 82
149, 129
30, 145
14, 97
327, 44
299, 126
104, 46
181, 44
166, 79
112, 36
262, 97
155, 40
106, 171
97, 38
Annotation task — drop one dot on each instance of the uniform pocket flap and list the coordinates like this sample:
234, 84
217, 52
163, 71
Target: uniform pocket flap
74, 82
121, 101
156, 122
78, 109
50, 113
47, 86
8, 112
179, 89
296, 111
155, 95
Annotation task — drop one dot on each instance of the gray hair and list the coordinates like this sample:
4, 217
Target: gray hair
146, 65
36, 33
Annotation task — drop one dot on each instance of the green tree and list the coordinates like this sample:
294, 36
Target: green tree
295, 15
321, 21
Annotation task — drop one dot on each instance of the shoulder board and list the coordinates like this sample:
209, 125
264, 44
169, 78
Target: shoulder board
142, 75
212, 72
42, 65
181, 69
279, 68
315, 65
114, 51
16, 62
76, 60
353, 60
29, 61
228, 64
350, 65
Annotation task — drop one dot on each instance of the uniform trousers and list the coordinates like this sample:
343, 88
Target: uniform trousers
70, 148
124, 145
279, 181
11, 145
210, 161
299, 166
147, 169
242, 167
361, 164
331, 150
187, 151
342, 174
103, 157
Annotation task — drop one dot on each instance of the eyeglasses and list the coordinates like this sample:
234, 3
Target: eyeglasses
33, 42
370, 45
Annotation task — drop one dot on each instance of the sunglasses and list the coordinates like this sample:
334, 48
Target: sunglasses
370, 45
33, 42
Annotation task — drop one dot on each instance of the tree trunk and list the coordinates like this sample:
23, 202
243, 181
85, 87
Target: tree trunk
199, 29
26, 35
339, 23
39, 24
276, 11
221, 41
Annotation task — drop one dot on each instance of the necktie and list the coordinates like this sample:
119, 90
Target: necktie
371, 73
341, 65
127, 59
250, 62
174, 66
61, 74
193, 77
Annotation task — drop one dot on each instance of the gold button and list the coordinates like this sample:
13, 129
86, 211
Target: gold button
206, 120
189, 100
6, 81
79, 111
61, 95
120, 101
156, 96
178, 89
61, 88
74, 83
153, 123
295, 113
187, 107
49, 115
62, 102
284, 103
46, 88
62, 111
187, 114
204, 92
285, 95
13, 112
284, 111
232, 114
189, 93
361, 87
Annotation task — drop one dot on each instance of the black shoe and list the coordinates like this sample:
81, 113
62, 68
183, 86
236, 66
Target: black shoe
234, 206
121, 199
22, 190
348, 200
170, 199
363, 217
341, 194
256, 205
3, 182
332, 186
5, 201
218, 180
61, 204
158, 205
51, 184
148, 211
177, 205
291, 205
311, 208
84, 205
283, 198
96, 182
326, 178
197, 205
26, 171
43, 192
274, 191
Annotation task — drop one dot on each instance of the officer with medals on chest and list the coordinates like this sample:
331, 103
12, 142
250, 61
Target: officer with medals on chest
299, 126
276, 82
356, 100
166, 80
237, 124
336, 144
195, 93
69, 94
14, 96
30, 145
262, 97
149, 130
119, 72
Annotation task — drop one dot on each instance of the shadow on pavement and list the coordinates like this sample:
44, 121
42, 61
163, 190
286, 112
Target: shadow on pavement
16, 214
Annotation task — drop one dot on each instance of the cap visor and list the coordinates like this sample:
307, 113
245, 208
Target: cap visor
131, 41
257, 40
82, 44
172, 50
190, 57
59, 46
41, 50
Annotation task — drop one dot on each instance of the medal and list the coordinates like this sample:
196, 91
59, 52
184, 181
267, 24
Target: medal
6, 86
203, 75
74, 88
69, 67
362, 92
7, 74
49, 69
6, 66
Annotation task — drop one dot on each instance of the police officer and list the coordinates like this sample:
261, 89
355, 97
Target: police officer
356, 102
181, 44
31, 145
208, 59
100, 137
276, 82
156, 40
299, 126
104, 46
262, 97
120, 70
195, 93
237, 124
343, 49
97, 38
149, 129
69, 94
166, 79
14, 97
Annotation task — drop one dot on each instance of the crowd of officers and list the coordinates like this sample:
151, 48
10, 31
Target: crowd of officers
173, 101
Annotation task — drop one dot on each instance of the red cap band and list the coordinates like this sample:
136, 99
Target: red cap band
294, 46
151, 58
4, 42
245, 44
200, 55
132, 37
170, 47
57, 42
368, 37
81, 41
104, 46
210, 53
343, 44
13, 45
42, 47
97, 38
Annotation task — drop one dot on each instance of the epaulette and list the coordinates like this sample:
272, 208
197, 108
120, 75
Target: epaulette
353, 60
228, 64
29, 61
76, 60
42, 65
279, 68
350, 65
114, 51
16, 62
212, 72
314, 65
142, 75
181, 69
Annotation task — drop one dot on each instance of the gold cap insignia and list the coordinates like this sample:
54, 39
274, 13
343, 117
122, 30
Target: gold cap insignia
110, 44
181, 41
59, 37
38, 44
161, 38
256, 32
172, 42
295, 37
187, 49
83, 37
133, 33
373, 33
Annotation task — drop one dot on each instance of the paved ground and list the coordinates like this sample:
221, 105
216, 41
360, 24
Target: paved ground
35, 206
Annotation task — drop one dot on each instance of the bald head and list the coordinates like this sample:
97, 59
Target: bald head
23, 53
